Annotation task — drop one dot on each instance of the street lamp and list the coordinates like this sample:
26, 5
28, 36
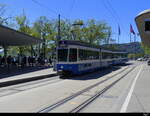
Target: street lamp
76, 24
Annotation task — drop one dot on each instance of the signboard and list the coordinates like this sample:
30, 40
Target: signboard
62, 44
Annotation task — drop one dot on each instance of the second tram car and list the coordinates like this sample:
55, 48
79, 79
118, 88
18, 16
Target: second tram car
74, 57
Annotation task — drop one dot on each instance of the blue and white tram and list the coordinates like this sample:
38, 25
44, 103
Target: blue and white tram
74, 57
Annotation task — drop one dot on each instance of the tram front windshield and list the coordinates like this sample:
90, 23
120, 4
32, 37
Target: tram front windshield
62, 55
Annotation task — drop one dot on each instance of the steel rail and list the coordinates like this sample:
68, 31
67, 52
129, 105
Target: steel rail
63, 101
94, 97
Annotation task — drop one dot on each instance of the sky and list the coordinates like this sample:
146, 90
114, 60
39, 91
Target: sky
113, 12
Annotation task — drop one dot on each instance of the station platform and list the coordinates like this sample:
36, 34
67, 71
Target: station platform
140, 99
25, 75
130, 95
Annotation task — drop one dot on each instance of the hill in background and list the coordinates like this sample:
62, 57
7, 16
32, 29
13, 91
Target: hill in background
131, 48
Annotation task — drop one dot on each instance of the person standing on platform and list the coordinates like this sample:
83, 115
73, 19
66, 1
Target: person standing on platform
50, 61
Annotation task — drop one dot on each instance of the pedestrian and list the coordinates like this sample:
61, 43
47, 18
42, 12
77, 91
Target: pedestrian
9, 61
29, 60
3, 60
0, 60
50, 61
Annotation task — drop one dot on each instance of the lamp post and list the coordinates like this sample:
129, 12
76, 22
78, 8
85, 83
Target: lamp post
76, 24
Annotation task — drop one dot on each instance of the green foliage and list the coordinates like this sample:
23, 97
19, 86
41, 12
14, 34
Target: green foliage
23, 26
91, 31
3, 19
146, 49
132, 56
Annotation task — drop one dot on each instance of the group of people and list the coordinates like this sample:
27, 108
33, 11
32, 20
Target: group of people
24, 61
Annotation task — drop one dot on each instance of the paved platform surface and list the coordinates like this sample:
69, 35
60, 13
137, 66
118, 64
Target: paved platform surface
129, 95
27, 74
140, 99
6, 72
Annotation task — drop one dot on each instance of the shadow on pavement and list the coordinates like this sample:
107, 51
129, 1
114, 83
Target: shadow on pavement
6, 72
97, 74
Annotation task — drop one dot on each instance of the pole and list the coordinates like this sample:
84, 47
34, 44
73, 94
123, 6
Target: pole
57, 42
130, 38
135, 38
31, 50
43, 45
59, 36
119, 32
135, 44
118, 39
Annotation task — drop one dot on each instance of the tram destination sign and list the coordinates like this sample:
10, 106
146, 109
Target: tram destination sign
62, 44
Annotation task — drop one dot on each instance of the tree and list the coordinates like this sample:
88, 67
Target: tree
3, 18
45, 30
146, 49
96, 32
76, 30
23, 26
2, 12
66, 30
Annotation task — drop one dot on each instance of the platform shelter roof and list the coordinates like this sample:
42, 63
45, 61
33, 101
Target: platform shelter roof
11, 37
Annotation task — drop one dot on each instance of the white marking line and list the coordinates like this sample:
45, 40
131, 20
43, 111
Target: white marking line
126, 103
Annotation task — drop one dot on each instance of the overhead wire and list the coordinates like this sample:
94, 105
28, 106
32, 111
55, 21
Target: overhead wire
51, 10
109, 11
113, 14
108, 7
116, 14
72, 7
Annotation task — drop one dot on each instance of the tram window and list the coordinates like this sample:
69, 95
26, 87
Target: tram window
88, 55
97, 55
82, 55
62, 55
106, 55
110, 55
147, 25
124, 55
73, 55
118, 55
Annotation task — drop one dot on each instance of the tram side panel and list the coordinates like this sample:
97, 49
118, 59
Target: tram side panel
88, 61
73, 59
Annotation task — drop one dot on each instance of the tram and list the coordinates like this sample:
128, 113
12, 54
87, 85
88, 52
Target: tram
74, 57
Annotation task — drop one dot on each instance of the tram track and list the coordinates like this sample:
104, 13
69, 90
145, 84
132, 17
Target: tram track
98, 94
33, 84
67, 99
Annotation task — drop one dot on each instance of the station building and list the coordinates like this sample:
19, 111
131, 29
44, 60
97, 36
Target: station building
143, 25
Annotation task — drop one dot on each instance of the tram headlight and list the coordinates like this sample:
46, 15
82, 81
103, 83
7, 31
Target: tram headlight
62, 67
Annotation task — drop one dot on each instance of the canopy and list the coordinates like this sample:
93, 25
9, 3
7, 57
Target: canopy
11, 37
143, 25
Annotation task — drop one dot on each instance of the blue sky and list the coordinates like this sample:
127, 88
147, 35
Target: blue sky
114, 12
